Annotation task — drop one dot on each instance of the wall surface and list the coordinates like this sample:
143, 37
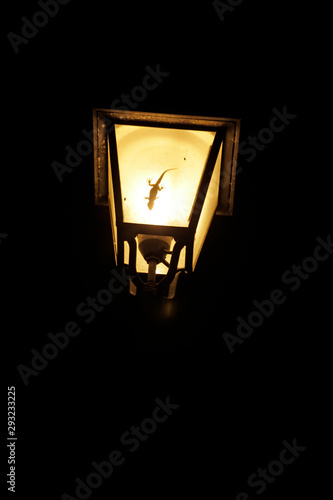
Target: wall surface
221, 391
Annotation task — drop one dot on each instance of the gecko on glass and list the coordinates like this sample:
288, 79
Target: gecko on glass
155, 189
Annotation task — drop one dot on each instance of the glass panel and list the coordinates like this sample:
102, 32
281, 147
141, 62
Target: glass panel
112, 208
160, 170
208, 209
126, 252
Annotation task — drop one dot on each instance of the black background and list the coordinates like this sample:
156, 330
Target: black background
235, 409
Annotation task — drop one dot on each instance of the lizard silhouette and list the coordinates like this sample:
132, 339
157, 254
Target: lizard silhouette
155, 189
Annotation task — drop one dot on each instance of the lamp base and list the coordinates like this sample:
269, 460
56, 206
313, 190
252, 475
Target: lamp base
154, 251
153, 247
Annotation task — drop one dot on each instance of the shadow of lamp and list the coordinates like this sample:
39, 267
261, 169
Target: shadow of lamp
163, 177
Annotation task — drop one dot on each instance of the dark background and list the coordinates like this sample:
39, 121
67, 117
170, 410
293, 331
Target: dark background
235, 409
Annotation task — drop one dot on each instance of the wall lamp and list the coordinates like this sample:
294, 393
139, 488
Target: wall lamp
163, 177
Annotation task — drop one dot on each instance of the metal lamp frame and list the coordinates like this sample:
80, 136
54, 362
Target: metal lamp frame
105, 150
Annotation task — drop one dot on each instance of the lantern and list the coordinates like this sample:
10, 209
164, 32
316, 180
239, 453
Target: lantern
163, 177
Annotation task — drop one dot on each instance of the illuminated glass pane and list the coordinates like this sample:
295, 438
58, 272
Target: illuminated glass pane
112, 209
208, 209
144, 154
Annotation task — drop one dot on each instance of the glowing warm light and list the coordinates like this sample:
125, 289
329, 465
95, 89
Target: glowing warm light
144, 153
164, 177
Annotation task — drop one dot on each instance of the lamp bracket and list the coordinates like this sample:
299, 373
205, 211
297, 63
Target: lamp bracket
154, 250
